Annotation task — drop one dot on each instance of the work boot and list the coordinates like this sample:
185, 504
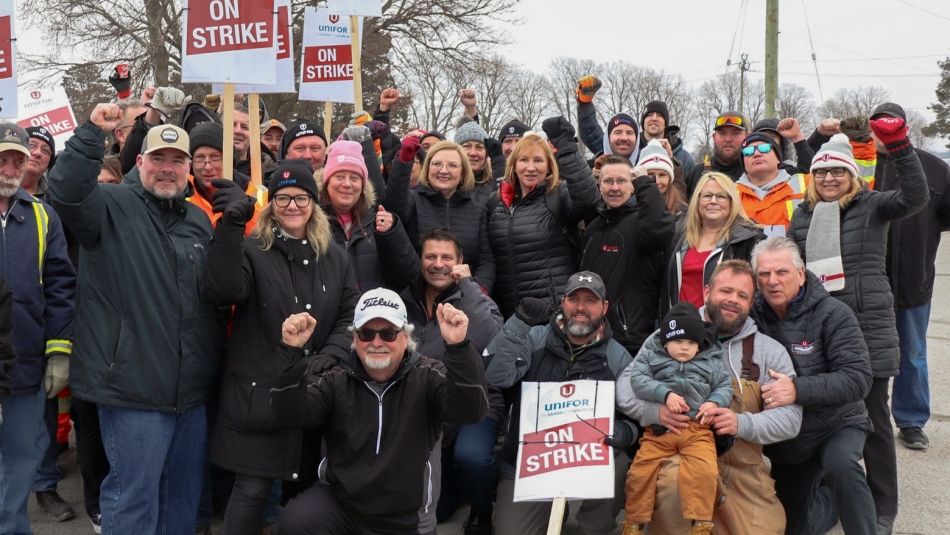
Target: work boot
53, 504
701, 527
632, 529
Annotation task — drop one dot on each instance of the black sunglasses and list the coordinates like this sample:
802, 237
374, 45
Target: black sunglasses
368, 335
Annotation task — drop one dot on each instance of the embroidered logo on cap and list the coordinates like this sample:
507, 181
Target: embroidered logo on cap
169, 135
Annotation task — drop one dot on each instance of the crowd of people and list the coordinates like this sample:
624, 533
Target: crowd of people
346, 353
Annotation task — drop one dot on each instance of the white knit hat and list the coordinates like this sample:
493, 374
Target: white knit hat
654, 156
835, 153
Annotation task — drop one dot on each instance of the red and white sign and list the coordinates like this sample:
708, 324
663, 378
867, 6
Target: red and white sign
286, 82
8, 89
358, 8
561, 453
49, 108
223, 39
326, 65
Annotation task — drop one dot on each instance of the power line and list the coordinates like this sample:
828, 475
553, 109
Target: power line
814, 58
859, 60
887, 75
939, 16
855, 52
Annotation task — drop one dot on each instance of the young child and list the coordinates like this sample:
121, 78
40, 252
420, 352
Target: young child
678, 366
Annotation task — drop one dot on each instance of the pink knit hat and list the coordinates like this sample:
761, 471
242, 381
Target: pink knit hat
345, 156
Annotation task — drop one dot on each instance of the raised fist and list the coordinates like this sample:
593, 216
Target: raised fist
587, 87
106, 116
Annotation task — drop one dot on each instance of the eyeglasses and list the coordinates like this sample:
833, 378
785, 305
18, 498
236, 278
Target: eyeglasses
730, 120
42, 147
615, 181
202, 160
368, 335
719, 197
283, 201
836, 172
764, 148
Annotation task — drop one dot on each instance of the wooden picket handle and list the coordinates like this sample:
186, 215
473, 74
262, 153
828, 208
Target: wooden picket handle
327, 118
558, 508
227, 118
357, 52
254, 116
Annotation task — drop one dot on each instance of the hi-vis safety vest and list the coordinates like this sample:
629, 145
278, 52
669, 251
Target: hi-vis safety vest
774, 212
865, 155
41, 217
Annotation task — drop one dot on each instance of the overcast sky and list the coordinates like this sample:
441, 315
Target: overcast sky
890, 43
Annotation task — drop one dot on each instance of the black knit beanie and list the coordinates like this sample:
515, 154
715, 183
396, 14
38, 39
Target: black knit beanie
298, 129
206, 134
659, 107
296, 173
683, 322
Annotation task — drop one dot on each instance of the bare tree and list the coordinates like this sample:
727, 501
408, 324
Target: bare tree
562, 81
529, 98
494, 81
432, 93
796, 101
853, 102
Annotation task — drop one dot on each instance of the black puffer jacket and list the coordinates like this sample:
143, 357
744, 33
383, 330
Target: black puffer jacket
379, 259
266, 287
534, 254
913, 241
831, 359
739, 247
864, 225
425, 209
625, 247
734, 170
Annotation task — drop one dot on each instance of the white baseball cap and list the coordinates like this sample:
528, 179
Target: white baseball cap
380, 303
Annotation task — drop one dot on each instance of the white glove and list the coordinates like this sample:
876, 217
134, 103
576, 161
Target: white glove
57, 374
169, 100
357, 133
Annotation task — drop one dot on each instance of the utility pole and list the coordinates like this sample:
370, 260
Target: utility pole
743, 67
771, 56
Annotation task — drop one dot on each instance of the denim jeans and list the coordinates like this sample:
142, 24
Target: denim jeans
910, 402
23, 439
156, 464
49, 475
468, 470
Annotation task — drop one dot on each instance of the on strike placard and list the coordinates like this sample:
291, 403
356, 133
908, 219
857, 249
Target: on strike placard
50, 108
222, 38
561, 452
286, 82
8, 79
326, 65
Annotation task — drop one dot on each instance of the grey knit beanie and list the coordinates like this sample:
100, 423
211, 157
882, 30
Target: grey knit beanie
470, 131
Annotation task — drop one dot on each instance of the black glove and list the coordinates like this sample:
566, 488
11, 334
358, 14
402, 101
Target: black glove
535, 311
560, 133
229, 198
121, 80
723, 443
625, 437
493, 148
320, 363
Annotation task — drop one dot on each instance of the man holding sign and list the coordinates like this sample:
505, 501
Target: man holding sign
574, 344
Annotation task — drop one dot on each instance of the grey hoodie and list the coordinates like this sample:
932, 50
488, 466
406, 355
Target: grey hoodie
766, 427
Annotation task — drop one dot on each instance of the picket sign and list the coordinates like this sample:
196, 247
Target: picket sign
227, 118
286, 82
8, 75
222, 38
329, 57
561, 452
254, 116
49, 108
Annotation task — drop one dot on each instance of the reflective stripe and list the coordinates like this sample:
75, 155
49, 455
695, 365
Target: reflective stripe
42, 227
59, 346
790, 208
866, 169
798, 183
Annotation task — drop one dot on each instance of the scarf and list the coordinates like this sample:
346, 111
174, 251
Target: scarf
823, 246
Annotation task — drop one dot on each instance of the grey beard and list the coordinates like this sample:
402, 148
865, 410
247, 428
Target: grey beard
7, 191
580, 329
376, 363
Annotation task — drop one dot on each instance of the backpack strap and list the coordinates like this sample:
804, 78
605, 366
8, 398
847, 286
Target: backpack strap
750, 370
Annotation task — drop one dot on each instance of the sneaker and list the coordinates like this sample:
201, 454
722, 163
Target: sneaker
96, 520
885, 525
913, 438
51, 502
478, 524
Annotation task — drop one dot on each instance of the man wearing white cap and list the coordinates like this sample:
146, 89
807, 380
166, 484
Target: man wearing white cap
382, 411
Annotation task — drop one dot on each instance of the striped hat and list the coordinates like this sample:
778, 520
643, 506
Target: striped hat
835, 153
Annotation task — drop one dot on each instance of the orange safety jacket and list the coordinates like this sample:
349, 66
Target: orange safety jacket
774, 211
213, 216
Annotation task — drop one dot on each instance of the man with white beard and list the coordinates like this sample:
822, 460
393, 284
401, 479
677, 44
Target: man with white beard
36, 267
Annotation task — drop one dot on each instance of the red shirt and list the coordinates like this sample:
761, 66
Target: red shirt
691, 286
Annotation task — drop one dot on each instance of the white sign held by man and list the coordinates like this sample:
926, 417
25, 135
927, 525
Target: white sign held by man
8, 89
229, 41
561, 453
286, 81
326, 65
49, 108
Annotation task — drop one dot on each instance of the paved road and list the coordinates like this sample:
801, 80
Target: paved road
924, 500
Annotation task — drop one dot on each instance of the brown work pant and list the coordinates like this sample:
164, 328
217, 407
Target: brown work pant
698, 473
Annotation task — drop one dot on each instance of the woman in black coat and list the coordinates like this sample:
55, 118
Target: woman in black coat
288, 265
443, 200
532, 220
841, 229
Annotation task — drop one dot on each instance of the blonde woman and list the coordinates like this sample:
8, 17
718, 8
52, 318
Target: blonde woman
288, 265
443, 200
716, 229
533, 218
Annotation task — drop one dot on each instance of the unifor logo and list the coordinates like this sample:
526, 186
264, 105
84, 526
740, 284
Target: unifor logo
567, 390
511, 130
286, 174
334, 19
303, 127
35, 95
583, 278
672, 324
